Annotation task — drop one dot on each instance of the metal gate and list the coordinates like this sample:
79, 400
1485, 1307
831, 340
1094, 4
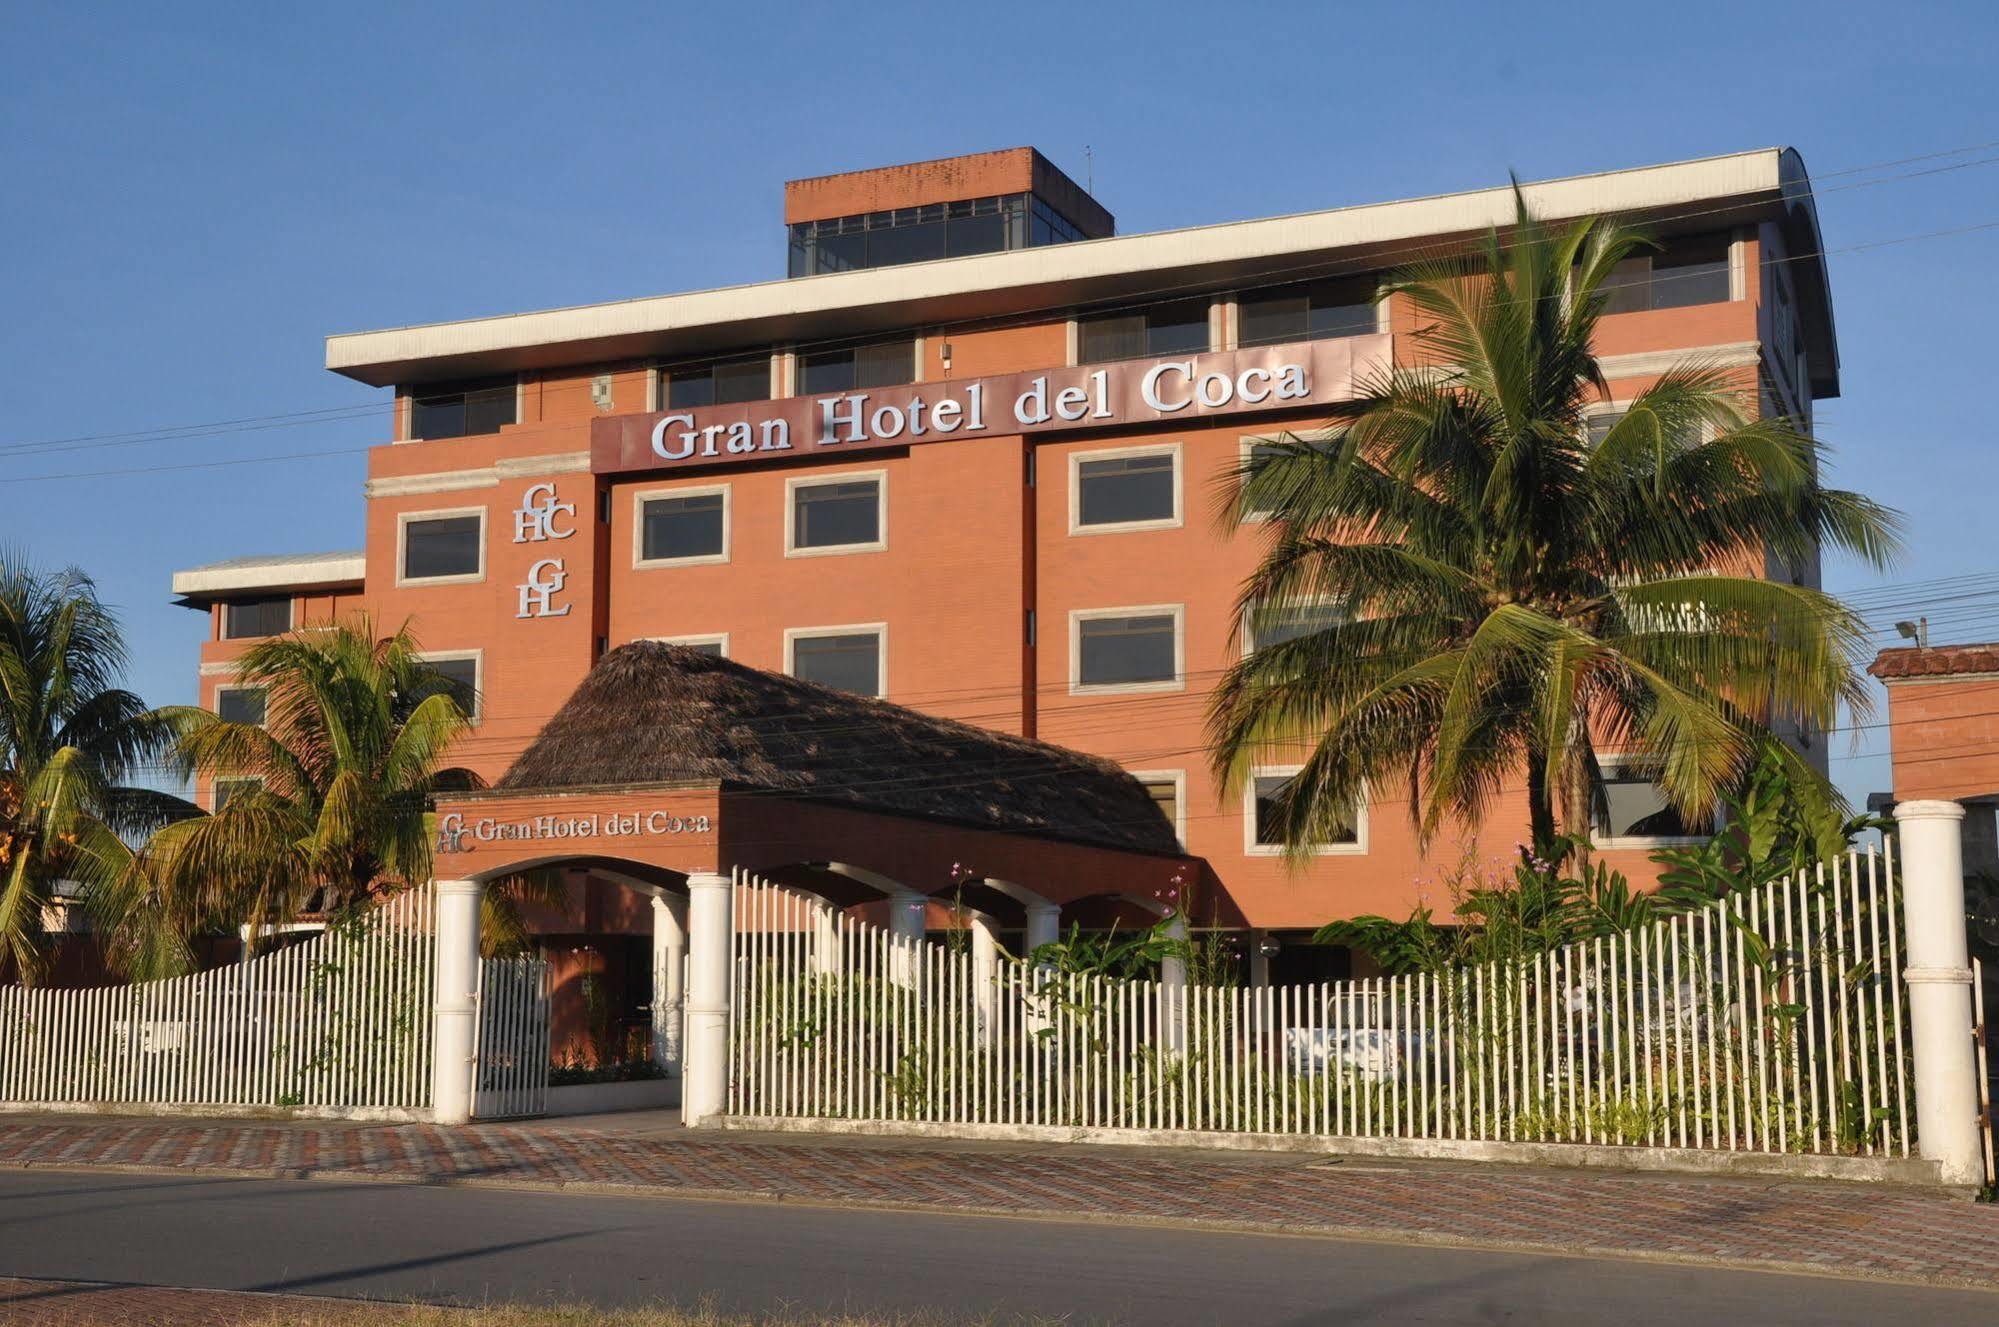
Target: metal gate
510, 1063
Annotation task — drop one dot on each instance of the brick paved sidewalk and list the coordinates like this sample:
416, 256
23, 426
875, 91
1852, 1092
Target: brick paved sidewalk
1831, 1228
89, 1304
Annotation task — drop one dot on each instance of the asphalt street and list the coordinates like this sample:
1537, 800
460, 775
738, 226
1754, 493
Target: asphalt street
478, 1246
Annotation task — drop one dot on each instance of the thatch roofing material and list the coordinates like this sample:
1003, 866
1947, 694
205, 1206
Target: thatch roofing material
656, 713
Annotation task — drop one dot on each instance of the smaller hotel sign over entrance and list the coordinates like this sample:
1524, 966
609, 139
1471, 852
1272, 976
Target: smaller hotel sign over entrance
456, 833
1163, 391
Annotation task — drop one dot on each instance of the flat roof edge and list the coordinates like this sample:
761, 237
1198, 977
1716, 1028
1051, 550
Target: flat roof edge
376, 357
295, 573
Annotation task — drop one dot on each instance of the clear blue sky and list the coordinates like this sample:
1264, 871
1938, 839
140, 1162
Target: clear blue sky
195, 195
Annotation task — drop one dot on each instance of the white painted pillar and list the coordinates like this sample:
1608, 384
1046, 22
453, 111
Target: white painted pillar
1044, 926
455, 1040
1939, 979
1173, 989
669, 978
704, 1071
985, 971
825, 938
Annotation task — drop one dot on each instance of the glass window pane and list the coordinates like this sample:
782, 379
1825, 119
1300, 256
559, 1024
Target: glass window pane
442, 546
1274, 626
1636, 807
842, 253
1165, 794
1272, 319
711, 648
490, 410
906, 244
461, 678
689, 389
1693, 270
826, 371
887, 364
1119, 651
248, 618
240, 705
437, 417
1268, 789
845, 663
228, 788
1118, 489
689, 527
1178, 328
832, 515
1628, 288
742, 380
984, 234
1118, 336
1351, 318
463, 409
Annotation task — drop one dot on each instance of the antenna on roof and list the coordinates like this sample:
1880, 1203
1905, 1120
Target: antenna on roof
1089, 171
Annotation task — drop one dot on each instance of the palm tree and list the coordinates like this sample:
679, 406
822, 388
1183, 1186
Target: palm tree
1510, 596
335, 785
70, 737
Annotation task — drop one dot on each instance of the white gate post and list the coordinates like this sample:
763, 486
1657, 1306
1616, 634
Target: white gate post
1044, 926
669, 977
704, 1068
985, 971
825, 938
1939, 979
457, 1011
907, 913
1173, 988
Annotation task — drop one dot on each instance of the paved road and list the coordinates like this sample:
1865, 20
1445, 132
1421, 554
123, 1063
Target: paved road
477, 1245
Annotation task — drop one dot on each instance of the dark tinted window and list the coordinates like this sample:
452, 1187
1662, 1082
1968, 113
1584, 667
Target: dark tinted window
919, 234
846, 663
464, 409
240, 705
228, 788
441, 546
1115, 651
1636, 807
711, 648
836, 514
884, 364
1306, 312
1268, 788
1174, 328
1117, 489
720, 383
461, 678
1274, 626
689, 527
1691, 270
268, 616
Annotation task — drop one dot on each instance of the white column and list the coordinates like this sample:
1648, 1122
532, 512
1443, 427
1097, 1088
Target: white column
669, 978
704, 1068
825, 938
1939, 978
457, 1010
1044, 925
985, 971
1173, 988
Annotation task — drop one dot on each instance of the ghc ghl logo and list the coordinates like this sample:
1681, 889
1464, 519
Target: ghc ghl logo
535, 523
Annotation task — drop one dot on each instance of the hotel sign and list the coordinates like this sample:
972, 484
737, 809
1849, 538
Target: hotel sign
455, 833
1163, 392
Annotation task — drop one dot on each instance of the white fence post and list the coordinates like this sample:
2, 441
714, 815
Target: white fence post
457, 1000
704, 1071
1939, 978
669, 975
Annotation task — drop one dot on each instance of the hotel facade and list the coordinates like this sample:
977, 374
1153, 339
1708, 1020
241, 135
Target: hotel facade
966, 456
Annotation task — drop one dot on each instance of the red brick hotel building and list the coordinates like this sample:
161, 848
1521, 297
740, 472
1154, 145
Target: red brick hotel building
964, 457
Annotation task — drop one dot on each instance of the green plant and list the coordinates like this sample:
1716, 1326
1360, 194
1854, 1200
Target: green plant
1510, 591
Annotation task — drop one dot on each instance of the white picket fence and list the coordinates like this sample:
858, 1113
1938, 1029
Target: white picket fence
338, 1023
1771, 1021
510, 1068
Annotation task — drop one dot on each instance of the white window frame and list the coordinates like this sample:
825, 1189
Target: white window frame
478, 658
243, 686
1248, 442
215, 788
1173, 522
824, 479
792, 635
1178, 778
1605, 762
640, 562
1078, 616
403, 521
1251, 848
717, 638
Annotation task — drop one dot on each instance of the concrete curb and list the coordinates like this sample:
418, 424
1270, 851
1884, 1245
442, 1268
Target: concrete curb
1357, 1234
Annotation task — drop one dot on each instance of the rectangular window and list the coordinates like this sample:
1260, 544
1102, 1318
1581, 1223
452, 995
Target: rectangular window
461, 680
1164, 790
684, 527
1266, 789
883, 364
721, 382
1275, 624
838, 514
715, 647
269, 615
1140, 650
228, 788
1261, 451
464, 409
1635, 807
1177, 327
1141, 488
240, 705
443, 547
1309, 312
845, 661
1692, 270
